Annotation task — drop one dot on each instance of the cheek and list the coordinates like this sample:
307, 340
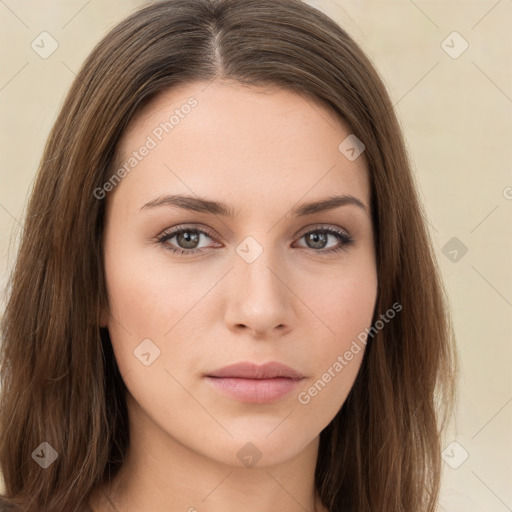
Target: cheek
146, 295
150, 300
342, 302
344, 311
135, 296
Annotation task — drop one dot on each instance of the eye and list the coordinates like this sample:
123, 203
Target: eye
187, 240
318, 239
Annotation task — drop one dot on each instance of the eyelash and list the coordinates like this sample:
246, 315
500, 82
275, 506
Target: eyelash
343, 237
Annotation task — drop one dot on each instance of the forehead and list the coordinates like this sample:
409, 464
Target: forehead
232, 140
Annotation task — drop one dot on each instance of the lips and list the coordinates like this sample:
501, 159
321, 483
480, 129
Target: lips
252, 383
253, 371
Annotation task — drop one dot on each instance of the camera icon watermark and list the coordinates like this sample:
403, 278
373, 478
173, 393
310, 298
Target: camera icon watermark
454, 45
146, 352
249, 249
249, 455
351, 147
45, 455
454, 249
455, 455
44, 45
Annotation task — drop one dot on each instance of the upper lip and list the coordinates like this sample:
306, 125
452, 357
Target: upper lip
247, 370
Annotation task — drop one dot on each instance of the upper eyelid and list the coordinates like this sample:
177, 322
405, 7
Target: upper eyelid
177, 230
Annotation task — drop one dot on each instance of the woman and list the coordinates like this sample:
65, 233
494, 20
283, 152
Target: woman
225, 296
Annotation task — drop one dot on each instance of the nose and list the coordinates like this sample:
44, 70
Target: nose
259, 298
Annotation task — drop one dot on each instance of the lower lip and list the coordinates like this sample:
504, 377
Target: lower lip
257, 391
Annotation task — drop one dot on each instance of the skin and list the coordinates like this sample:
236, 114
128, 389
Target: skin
263, 151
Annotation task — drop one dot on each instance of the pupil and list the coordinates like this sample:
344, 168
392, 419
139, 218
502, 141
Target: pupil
187, 239
316, 237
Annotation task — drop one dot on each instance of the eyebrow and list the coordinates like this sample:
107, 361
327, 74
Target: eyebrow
198, 204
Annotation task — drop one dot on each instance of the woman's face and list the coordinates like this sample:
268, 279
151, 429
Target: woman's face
260, 282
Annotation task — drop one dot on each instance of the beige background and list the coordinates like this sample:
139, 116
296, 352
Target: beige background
456, 114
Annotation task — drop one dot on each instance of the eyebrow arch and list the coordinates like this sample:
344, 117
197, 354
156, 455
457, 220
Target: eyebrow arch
218, 208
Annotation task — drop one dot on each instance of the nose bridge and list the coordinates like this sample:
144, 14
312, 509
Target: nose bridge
261, 299
257, 263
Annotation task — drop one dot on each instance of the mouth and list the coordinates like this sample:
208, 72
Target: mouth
250, 383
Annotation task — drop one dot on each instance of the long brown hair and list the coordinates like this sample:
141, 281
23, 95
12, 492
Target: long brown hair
60, 381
